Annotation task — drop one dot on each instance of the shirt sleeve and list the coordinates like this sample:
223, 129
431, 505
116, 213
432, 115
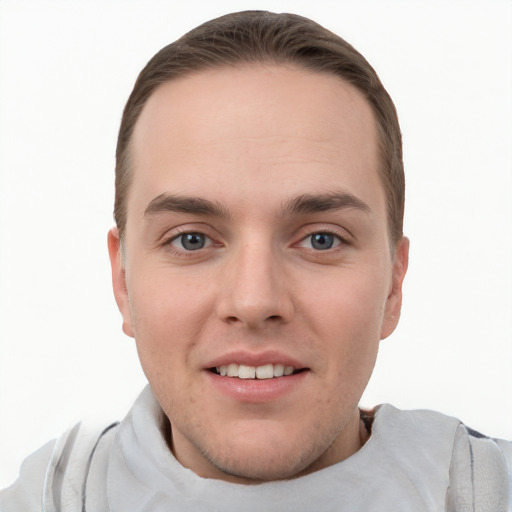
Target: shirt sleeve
479, 474
26, 493
506, 450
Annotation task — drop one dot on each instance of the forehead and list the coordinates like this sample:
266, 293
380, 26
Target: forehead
253, 127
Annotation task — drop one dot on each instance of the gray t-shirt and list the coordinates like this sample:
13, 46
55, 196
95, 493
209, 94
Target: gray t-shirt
413, 461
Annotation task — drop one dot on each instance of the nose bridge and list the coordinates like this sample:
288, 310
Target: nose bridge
255, 290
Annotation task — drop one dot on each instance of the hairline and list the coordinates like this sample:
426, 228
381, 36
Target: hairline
249, 63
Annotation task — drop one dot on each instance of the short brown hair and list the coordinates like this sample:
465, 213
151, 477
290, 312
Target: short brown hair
263, 37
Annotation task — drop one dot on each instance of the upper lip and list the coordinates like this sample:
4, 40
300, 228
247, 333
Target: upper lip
255, 359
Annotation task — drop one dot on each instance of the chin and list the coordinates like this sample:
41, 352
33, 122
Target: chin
275, 459
263, 469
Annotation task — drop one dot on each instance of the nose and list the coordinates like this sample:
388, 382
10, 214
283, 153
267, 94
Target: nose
255, 289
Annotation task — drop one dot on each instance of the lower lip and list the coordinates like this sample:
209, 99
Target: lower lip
256, 390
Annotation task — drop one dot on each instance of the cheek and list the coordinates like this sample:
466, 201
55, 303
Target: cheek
348, 318
352, 303
167, 315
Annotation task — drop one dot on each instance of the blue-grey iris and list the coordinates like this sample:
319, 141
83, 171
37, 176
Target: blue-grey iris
193, 241
322, 241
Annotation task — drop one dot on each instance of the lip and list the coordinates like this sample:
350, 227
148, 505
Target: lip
256, 390
255, 359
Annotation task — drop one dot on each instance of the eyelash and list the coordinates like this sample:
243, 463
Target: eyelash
340, 240
168, 242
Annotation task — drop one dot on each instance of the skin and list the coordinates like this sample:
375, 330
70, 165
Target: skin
253, 142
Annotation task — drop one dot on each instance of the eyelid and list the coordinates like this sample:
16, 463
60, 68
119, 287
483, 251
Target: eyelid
190, 227
340, 240
208, 240
175, 233
307, 231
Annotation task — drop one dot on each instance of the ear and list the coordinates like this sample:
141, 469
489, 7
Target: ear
119, 280
394, 300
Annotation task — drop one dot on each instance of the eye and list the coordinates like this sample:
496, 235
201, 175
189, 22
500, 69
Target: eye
321, 241
191, 241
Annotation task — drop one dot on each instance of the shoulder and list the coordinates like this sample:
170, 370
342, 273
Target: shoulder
477, 468
480, 471
25, 494
56, 475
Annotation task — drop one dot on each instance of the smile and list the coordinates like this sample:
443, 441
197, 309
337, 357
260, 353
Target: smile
259, 382
266, 371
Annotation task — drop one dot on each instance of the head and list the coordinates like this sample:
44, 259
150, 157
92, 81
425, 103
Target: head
258, 259
256, 37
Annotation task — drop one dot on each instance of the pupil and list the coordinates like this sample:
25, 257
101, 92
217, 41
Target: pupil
322, 241
192, 241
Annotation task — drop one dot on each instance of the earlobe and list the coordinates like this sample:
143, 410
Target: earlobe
394, 300
119, 280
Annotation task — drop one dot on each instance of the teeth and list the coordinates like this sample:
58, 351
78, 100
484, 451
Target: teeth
278, 370
267, 371
246, 372
232, 370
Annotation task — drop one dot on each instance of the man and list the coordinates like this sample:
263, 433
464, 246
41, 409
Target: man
258, 260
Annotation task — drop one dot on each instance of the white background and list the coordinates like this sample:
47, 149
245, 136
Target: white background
66, 69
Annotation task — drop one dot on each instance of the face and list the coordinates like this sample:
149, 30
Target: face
257, 276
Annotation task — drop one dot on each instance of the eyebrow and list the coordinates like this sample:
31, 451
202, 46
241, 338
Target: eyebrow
309, 203
303, 204
183, 204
